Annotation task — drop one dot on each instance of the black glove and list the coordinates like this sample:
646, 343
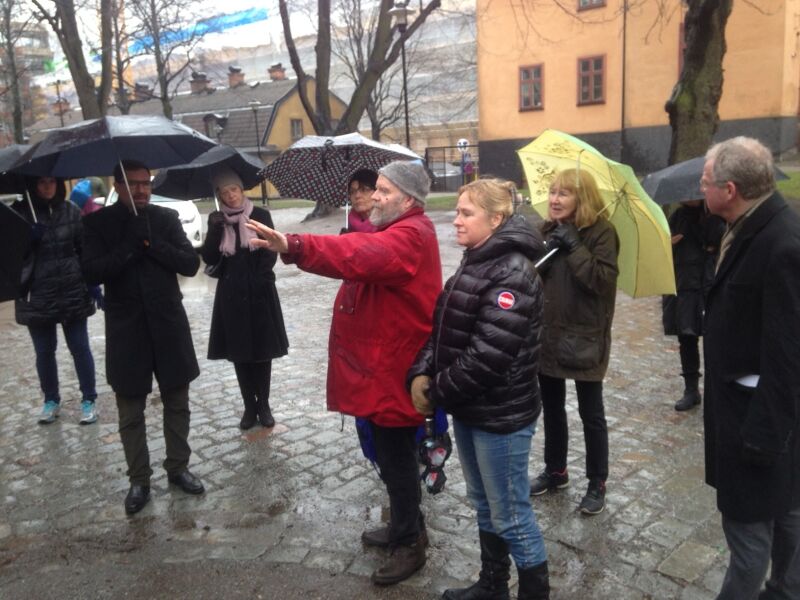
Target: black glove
96, 293
138, 232
758, 457
37, 231
564, 236
216, 220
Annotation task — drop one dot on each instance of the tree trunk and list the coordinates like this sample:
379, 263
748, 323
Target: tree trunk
106, 57
12, 74
693, 106
70, 39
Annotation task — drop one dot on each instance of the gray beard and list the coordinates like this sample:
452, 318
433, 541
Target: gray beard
379, 217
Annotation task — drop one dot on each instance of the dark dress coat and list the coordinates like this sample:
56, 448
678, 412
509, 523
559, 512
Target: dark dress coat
247, 321
55, 290
694, 257
752, 327
147, 331
483, 354
580, 289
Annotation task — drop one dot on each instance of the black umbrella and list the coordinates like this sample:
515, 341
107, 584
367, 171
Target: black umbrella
681, 181
9, 182
96, 146
318, 167
193, 180
16, 235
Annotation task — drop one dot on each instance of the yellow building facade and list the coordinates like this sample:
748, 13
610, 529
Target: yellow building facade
604, 69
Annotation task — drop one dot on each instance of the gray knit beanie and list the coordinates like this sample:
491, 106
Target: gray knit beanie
410, 177
225, 176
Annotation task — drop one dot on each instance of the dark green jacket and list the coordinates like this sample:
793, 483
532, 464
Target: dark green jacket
580, 288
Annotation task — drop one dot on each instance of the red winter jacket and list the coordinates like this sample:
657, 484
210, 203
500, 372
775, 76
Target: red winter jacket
382, 315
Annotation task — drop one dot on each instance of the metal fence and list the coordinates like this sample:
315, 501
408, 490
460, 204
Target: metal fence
451, 166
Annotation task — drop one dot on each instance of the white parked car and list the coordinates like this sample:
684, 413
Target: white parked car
191, 221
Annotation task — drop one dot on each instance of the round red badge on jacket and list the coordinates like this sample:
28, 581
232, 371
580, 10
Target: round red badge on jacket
505, 300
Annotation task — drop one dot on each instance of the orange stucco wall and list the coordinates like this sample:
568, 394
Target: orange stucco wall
762, 68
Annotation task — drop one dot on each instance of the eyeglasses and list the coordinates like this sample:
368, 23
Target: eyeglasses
705, 184
362, 188
139, 184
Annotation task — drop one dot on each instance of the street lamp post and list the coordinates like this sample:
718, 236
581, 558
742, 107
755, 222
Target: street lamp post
400, 13
254, 104
58, 102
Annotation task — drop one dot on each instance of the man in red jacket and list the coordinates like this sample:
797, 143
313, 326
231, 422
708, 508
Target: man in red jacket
382, 317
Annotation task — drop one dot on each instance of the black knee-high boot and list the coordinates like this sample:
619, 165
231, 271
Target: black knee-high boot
534, 583
492, 583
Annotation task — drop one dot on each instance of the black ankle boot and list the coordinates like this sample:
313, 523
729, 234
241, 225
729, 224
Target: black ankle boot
492, 583
249, 416
264, 413
534, 583
691, 394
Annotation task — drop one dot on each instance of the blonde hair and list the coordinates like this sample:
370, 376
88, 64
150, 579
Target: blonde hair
494, 195
588, 203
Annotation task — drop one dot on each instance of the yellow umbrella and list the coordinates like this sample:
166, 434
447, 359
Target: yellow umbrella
645, 254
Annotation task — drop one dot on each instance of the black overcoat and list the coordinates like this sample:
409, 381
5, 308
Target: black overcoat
147, 331
247, 322
694, 257
752, 327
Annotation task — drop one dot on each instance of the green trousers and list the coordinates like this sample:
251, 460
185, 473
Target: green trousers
133, 433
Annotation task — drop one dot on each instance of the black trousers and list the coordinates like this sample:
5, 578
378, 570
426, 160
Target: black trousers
254, 380
690, 356
133, 433
556, 433
396, 450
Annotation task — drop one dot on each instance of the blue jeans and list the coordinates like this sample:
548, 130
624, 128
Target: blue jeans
495, 467
45, 343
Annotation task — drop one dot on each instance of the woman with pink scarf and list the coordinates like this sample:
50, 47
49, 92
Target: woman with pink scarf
247, 322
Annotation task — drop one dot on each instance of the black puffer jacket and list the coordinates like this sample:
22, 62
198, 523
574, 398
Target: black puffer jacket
483, 354
55, 290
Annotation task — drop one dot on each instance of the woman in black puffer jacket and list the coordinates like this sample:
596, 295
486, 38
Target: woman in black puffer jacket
480, 365
54, 291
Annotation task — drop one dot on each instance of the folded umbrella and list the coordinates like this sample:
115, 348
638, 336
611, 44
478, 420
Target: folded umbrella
645, 254
681, 181
193, 180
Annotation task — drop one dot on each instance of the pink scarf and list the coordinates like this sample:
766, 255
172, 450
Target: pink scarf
236, 217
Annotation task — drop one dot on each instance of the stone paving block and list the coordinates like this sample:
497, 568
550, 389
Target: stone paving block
667, 532
689, 561
308, 475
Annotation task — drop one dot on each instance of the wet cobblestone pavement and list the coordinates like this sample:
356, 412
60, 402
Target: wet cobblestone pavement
301, 494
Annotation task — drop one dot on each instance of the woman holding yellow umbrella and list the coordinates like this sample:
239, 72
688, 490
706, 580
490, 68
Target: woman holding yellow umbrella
580, 283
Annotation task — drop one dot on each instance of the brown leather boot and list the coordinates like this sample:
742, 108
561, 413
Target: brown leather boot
379, 538
402, 564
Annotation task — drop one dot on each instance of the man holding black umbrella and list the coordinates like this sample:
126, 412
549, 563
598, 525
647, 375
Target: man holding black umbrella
137, 251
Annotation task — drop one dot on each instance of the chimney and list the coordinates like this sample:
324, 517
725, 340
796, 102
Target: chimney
199, 82
142, 92
277, 72
235, 77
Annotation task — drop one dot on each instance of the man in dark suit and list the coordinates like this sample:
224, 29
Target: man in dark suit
138, 254
752, 354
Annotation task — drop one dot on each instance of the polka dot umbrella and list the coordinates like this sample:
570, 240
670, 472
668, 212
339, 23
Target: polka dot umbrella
319, 167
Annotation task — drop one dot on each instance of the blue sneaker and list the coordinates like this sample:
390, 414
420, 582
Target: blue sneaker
49, 412
88, 413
